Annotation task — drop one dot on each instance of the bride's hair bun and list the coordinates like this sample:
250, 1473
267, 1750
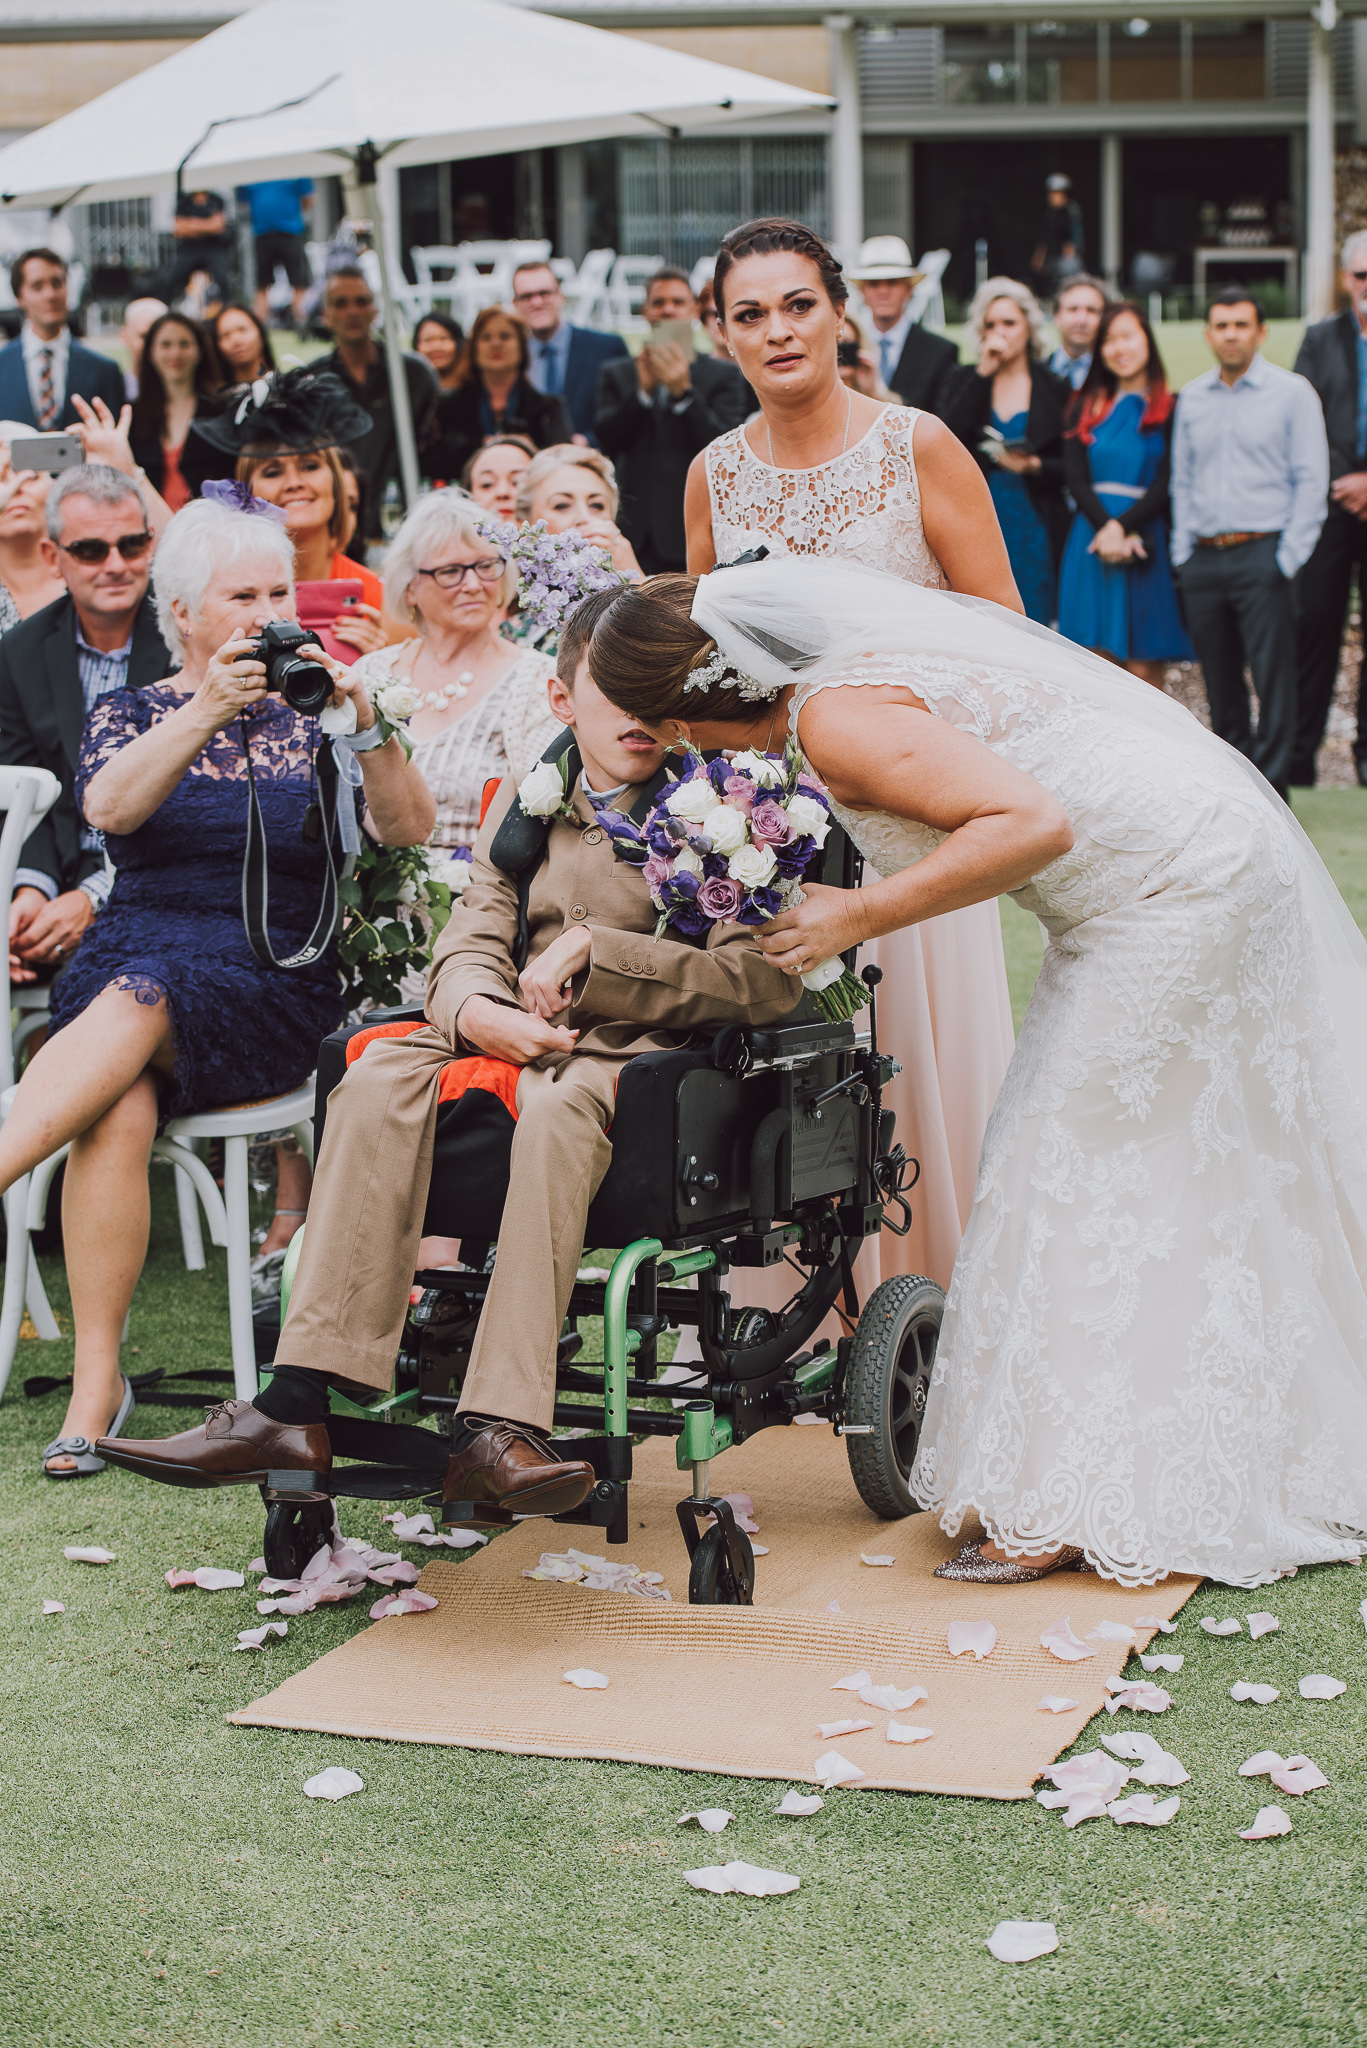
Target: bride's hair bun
766, 238
646, 649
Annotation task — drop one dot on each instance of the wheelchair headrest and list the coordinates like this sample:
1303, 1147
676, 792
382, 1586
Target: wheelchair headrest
520, 841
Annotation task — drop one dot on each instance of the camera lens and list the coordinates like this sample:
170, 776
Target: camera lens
305, 685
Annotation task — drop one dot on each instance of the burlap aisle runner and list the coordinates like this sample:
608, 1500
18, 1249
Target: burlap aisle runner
730, 1690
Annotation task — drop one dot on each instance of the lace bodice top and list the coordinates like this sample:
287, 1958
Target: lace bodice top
864, 505
505, 733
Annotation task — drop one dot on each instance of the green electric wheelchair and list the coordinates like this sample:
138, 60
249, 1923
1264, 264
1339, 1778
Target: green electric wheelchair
763, 1148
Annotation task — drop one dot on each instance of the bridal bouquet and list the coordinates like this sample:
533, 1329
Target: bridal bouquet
729, 843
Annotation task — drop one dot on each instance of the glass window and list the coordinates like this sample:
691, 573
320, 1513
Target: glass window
1146, 60
980, 67
1060, 64
1228, 61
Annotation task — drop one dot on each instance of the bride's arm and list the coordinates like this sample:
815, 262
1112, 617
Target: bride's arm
959, 517
878, 749
702, 553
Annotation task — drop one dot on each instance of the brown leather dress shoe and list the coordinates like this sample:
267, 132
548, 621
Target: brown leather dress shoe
235, 1446
507, 1470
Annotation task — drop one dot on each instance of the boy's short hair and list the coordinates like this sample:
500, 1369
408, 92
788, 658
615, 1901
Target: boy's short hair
577, 632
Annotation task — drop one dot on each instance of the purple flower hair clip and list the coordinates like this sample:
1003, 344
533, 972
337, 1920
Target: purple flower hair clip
240, 497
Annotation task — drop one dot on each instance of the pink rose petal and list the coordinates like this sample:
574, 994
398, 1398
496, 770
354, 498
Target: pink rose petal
711, 1819
829, 1730
53, 1607
856, 1681
1269, 1821
902, 1731
1054, 1703
1297, 1776
1262, 1625
835, 1769
1144, 1808
978, 1636
1319, 1686
1022, 1941
255, 1638
1061, 1642
88, 1553
409, 1602
1155, 1621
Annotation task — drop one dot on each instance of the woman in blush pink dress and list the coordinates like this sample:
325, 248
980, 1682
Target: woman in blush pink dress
824, 470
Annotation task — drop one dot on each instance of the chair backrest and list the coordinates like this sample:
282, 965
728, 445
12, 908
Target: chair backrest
927, 301
587, 303
627, 291
26, 797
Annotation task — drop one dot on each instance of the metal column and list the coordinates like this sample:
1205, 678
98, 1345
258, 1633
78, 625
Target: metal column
1319, 167
847, 140
1112, 254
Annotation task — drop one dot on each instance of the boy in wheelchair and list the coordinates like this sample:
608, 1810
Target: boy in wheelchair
545, 983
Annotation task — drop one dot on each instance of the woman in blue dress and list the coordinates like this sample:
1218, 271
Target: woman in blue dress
1008, 409
165, 1008
1116, 592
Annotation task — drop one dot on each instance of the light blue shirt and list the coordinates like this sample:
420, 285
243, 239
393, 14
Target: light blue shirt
1074, 368
100, 673
550, 361
1250, 457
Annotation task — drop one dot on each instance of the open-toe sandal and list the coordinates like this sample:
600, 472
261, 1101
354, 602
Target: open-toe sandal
79, 1448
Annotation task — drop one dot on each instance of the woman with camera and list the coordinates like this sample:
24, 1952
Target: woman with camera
166, 1008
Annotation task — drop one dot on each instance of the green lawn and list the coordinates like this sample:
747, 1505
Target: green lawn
164, 1881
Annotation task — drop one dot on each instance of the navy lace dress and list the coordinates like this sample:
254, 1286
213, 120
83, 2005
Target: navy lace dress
173, 924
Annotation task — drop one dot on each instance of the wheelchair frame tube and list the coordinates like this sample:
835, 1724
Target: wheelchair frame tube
616, 1348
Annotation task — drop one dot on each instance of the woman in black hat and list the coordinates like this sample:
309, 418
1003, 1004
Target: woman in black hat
285, 431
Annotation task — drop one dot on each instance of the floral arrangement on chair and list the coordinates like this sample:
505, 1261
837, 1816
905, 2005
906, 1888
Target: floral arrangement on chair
729, 843
396, 903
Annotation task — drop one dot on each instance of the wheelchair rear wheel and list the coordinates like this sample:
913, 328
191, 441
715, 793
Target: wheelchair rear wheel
295, 1532
886, 1388
710, 1582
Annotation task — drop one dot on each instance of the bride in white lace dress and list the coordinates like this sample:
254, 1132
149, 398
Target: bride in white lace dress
1155, 1347
824, 471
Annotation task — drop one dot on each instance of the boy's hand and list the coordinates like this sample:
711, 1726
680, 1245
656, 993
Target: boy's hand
546, 983
508, 1034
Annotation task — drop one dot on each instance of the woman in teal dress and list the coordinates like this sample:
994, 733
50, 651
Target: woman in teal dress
1116, 591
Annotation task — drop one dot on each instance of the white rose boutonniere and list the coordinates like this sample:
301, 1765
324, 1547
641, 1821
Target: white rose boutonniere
544, 793
397, 700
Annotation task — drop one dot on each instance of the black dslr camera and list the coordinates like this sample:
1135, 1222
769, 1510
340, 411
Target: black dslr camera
305, 685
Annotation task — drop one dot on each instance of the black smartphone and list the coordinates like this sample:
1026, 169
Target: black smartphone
847, 354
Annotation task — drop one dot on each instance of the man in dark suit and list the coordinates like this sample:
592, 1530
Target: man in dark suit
655, 414
914, 364
566, 360
47, 367
101, 636
1333, 357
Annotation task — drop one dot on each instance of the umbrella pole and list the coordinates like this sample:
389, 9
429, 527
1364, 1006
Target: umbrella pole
367, 158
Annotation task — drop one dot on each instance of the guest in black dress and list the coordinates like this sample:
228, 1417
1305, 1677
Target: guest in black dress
165, 1008
493, 395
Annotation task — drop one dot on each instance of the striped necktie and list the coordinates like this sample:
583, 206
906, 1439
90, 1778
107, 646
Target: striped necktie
47, 397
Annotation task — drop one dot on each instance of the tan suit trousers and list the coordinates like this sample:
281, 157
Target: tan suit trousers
350, 1295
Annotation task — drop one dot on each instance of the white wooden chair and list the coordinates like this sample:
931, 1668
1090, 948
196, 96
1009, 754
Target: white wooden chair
586, 300
627, 291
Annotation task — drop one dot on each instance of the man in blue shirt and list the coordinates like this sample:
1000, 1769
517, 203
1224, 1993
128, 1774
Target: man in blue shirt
1333, 357
278, 207
1077, 316
565, 359
1250, 481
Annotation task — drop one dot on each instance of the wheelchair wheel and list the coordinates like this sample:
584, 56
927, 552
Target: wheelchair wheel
886, 1387
295, 1532
710, 1582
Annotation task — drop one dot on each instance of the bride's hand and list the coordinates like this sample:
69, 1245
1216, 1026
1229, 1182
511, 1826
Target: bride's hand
822, 925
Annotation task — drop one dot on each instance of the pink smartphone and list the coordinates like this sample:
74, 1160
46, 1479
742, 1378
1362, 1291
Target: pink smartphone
320, 605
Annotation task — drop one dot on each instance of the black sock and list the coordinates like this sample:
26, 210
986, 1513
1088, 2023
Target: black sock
295, 1395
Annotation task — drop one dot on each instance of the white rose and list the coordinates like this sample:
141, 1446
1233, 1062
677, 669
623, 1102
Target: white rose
752, 866
397, 700
822, 976
457, 876
725, 827
408, 893
805, 814
692, 799
542, 792
686, 862
768, 774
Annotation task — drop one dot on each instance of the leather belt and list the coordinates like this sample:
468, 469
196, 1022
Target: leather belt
1229, 540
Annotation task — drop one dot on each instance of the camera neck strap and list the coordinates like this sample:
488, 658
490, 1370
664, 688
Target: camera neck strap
255, 877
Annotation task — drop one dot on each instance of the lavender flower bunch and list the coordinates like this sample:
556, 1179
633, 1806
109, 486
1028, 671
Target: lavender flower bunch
554, 570
729, 843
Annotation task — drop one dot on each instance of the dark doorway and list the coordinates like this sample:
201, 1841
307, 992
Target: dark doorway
994, 191
1178, 189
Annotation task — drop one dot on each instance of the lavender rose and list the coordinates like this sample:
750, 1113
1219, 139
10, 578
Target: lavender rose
769, 823
721, 898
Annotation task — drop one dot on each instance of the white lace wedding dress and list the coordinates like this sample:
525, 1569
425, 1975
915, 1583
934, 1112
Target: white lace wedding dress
1156, 1338
944, 1007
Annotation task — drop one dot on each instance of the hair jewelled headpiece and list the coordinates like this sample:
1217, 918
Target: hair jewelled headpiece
717, 669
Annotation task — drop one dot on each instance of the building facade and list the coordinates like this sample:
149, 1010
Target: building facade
1198, 142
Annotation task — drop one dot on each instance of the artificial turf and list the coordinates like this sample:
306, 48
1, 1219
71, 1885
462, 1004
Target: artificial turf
164, 1880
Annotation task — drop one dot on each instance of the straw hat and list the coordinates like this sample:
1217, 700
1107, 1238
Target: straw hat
884, 256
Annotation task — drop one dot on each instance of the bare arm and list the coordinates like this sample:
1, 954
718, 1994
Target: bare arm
702, 552
878, 748
959, 517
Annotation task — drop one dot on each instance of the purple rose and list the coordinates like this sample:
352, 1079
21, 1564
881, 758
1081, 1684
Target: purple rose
796, 857
721, 898
740, 791
769, 824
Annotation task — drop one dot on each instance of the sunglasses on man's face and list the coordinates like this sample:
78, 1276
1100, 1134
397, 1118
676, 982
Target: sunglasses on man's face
1360, 276
93, 552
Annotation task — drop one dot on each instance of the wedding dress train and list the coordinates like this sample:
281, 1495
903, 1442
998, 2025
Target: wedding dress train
1155, 1344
